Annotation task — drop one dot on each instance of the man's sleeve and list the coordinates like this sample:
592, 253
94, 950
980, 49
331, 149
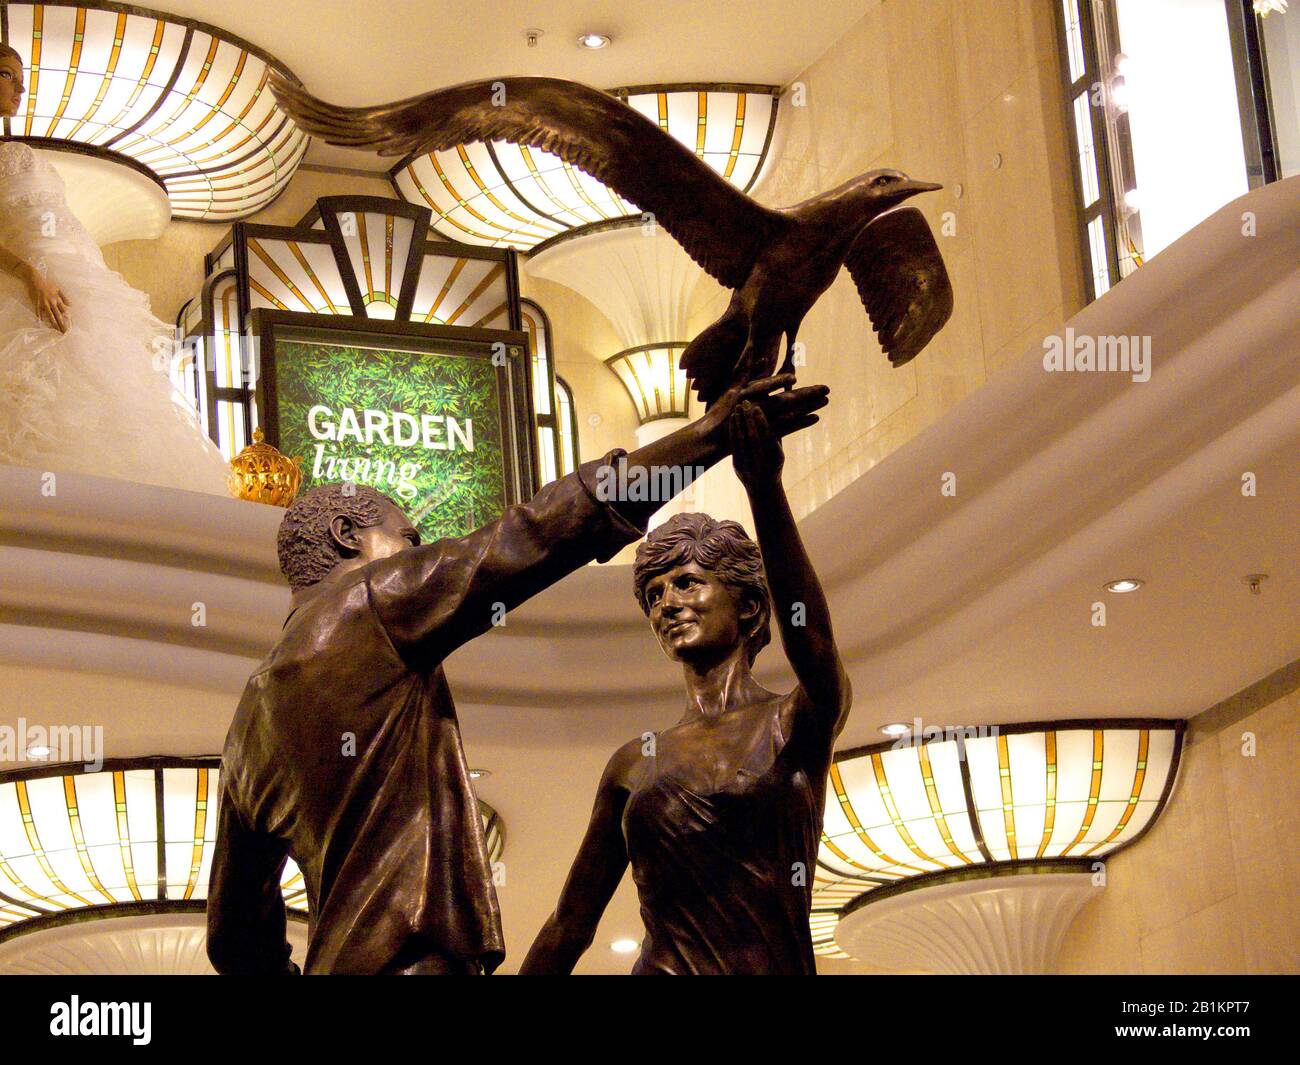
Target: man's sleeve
246, 918
433, 598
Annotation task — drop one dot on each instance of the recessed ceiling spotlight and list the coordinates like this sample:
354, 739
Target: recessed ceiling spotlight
479, 774
624, 946
896, 729
1255, 581
593, 40
531, 36
39, 751
1125, 584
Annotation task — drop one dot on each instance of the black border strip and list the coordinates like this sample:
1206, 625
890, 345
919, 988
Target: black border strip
492, 154
968, 790
602, 226
623, 91
162, 832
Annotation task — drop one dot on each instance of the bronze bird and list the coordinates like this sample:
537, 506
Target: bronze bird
777, 261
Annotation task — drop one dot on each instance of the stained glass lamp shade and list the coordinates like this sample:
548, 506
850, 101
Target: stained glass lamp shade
508, 195
186, 100
138, 832
654, 380
1064, 792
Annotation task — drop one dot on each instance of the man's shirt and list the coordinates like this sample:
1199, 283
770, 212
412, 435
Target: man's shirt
345, 752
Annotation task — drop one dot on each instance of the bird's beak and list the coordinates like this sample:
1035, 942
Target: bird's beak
911, 188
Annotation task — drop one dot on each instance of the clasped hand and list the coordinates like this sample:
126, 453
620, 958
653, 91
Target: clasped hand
784, 412
749, 421
755, 449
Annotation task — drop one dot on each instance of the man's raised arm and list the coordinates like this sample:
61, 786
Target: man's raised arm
433, 598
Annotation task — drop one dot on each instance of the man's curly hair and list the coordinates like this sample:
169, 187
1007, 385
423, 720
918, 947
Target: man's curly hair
307, 552
721, 547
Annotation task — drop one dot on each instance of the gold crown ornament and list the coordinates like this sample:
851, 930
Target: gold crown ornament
261, 474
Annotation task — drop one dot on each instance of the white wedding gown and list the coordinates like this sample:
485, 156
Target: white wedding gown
96, 399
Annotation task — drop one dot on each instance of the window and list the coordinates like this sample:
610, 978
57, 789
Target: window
557, 424
1169, 113
1087, 100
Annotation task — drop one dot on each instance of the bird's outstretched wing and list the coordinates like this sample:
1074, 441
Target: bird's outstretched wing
901, 281
720, 227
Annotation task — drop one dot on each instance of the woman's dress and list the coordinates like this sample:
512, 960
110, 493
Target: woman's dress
724, 876
96, 399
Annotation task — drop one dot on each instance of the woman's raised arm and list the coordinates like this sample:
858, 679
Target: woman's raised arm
797, 598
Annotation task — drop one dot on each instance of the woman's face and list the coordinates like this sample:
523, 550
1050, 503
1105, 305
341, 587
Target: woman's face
695, 615
11, 86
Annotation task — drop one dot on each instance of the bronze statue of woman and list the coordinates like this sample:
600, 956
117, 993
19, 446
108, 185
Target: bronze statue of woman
720, 815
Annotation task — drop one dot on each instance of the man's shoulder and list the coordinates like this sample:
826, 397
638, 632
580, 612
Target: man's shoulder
334, 605
332, 641
343, 593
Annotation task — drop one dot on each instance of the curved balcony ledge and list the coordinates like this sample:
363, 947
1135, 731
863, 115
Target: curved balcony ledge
975, 605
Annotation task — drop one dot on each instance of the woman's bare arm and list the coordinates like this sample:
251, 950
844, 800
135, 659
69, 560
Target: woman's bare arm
797, 598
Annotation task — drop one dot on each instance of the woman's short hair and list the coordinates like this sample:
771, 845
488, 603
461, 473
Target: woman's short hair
7, 52
306, 549
721, 547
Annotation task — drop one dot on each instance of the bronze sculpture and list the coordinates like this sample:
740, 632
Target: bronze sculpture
345, 751
720, 815
778, 262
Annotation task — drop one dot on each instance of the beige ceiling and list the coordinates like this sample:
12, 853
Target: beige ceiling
389, 49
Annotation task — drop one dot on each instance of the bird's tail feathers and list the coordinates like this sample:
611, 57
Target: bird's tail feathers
710, 359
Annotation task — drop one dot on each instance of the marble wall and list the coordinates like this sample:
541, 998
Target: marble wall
1212, 887
967, 95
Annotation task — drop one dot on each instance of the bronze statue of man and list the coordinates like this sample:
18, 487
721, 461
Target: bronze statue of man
345, 752
720, 815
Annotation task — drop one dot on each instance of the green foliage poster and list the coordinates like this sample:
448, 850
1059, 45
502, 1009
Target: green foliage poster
423, 428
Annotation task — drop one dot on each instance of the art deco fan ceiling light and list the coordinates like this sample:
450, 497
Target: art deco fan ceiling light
941, 806
186, 102
510, 195
654, 379
136, 837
